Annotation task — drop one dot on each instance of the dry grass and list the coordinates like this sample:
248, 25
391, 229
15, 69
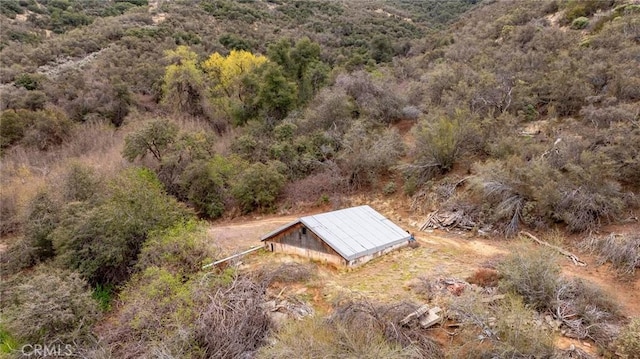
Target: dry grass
356, 329
502, 329
623, 252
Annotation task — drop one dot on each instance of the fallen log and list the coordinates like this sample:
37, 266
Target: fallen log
576, 261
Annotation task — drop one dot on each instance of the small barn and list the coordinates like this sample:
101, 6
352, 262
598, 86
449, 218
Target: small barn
349, 237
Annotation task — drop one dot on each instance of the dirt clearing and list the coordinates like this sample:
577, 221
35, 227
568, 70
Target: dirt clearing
440, 255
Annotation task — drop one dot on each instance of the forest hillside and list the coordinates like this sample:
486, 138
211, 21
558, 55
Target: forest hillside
129, 128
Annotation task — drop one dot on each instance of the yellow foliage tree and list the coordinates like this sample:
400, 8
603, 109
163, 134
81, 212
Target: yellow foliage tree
226, 74
184, 86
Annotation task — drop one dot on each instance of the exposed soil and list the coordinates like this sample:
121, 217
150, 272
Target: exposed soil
441, 254
391, 277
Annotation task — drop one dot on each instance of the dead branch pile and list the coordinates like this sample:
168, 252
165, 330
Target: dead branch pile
586, 312
447, 220
387, 319
287, 273
233, 324
280, 309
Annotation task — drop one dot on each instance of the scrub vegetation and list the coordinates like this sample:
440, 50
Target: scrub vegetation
126, 126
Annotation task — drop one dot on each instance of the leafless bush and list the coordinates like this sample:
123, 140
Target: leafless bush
366, 156
287, 273
623, 252
586, 311
9, 213
365, 316
500, 329
372, 99
232, 323
311, 188
605, 116
331, 108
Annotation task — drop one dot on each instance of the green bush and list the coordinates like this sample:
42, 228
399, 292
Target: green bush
102, 242
42, 219
48, 305
181, 249
258, 187
533, 274
628, 341
582, 8
155, 298
155, 137
12, 128
206, 184
389, 188
579, 23
440, 141
80, 183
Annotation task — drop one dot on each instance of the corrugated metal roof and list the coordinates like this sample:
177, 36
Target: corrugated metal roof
352, 232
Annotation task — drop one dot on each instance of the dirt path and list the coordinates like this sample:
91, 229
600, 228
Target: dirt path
625, 292
233, 237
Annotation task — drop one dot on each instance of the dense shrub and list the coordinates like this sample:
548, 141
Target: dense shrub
80, 183
163, 314
103, 248
206, 184
570, 184
365, 156
48, 305
181, 249
532, 275
440, 140
42, 219
155, 138
579, 23
628, 341
258, 186
40, 129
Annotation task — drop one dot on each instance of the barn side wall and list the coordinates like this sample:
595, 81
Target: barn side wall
299, 240
307, 253
364, 259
